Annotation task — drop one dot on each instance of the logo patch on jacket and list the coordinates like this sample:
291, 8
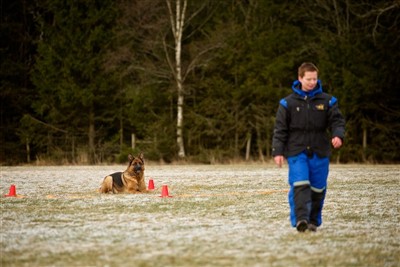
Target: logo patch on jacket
320, 107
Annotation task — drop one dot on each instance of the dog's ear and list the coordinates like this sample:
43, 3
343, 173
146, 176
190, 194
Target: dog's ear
130, 157
141, 157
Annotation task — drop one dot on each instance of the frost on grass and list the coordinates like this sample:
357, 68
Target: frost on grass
230, 215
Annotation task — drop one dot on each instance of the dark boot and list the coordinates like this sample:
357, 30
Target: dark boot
312, 227
302, 203
317, 200
302, 226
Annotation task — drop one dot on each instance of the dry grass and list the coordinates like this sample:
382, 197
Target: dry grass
224, 215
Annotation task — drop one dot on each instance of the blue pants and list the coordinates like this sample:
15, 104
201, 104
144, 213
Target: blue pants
307, 173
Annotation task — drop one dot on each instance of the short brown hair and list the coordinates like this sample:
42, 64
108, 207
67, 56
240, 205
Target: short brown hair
306, 66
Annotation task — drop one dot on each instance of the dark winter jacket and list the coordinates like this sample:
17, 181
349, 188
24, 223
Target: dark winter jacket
307, 121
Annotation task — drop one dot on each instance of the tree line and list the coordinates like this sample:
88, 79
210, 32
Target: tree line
90, 81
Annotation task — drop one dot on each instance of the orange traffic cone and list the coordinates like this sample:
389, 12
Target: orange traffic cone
151, 185
13, 192
164, 191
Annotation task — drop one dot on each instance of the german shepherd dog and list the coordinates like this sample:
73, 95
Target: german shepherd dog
130, 181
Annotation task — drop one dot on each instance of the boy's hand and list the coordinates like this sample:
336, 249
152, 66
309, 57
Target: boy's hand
337, 142
279, 160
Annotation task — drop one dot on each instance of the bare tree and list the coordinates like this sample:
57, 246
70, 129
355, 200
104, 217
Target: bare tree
150, 43
177, 19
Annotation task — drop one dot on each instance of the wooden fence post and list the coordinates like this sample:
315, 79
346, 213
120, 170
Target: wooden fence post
133, 141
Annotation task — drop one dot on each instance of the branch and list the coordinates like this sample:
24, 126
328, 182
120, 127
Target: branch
171, 17
192, 63
168, 59
46, 124
379, 12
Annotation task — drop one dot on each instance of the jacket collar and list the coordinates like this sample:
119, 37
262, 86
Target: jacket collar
296, 87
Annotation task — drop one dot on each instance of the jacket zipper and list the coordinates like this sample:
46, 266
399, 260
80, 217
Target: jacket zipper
308, 126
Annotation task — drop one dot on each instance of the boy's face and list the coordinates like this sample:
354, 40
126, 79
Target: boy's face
309, 80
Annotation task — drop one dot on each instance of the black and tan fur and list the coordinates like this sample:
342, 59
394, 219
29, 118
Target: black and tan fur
130, 181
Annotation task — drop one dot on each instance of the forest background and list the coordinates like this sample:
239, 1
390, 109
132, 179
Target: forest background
89, 81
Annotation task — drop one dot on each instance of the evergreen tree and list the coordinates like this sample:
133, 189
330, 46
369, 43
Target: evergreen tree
73, 92
239, 90
17, 48
352, 43
105, 69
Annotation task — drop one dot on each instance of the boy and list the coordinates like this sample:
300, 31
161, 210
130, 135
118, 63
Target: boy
301, 135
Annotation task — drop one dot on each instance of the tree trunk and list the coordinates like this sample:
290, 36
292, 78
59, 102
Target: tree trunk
236, 134
259, 144
179, 124
121, 132
91, 136
248, 146
28, 151
364, 144
177, 23
73, 150
270, 128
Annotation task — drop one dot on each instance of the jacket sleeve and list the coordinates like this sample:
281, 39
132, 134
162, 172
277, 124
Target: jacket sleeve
336, 120
281, 130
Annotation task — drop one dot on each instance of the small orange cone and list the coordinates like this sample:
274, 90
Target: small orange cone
164, 191
151, 185
13, 192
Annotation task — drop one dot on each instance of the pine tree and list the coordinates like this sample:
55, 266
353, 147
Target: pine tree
74, 92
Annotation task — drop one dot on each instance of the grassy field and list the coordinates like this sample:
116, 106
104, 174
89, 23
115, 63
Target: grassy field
223, 215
